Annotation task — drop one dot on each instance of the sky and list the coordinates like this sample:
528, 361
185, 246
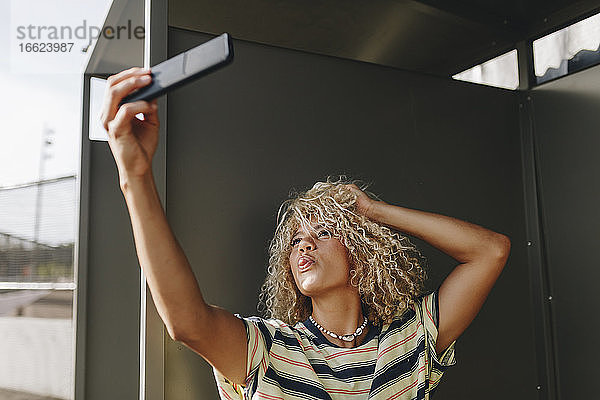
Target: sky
42, 90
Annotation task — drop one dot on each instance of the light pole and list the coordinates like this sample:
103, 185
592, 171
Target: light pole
46, 142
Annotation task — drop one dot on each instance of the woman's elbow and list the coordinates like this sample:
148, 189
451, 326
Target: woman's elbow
174, 334
501, 247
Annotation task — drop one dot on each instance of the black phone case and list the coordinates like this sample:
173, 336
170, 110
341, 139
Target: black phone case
185, 67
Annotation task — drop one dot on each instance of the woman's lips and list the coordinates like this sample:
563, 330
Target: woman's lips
304, 263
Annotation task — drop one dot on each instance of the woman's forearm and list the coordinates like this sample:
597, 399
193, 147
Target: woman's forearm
459, 239
172, 283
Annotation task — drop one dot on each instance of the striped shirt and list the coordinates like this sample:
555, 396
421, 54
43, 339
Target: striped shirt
395, 361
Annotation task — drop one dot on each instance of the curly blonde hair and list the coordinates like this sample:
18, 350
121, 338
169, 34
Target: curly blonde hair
384, 265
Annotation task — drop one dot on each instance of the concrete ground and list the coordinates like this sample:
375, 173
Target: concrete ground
53, 304
56, 304
6, 394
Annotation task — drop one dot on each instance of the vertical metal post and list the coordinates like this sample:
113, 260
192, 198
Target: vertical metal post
80, 265
525, 60
152, 333
536, 254
143, 295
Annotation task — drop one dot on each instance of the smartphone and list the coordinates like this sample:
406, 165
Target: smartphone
185, 67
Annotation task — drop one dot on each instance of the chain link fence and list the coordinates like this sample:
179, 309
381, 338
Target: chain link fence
37, 231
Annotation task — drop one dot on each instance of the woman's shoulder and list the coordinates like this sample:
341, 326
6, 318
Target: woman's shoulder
271, 324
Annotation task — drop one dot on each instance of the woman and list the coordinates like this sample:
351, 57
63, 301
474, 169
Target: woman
346, 314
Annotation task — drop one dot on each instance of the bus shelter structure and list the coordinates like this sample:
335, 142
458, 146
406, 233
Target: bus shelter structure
364, 89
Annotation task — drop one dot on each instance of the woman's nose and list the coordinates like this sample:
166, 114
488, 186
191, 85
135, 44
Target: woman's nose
307, 245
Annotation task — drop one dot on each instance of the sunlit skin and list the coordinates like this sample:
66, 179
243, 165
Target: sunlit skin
326, 280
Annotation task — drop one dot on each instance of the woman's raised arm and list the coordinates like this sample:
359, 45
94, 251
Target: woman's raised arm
215, 334
482, 254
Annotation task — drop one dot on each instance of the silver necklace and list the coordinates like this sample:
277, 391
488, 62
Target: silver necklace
347, 338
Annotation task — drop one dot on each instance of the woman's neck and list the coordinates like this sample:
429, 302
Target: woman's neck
340, 313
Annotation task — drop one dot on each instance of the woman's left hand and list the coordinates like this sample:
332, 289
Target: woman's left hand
364, 204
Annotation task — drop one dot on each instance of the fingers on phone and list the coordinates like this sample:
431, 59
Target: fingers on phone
125, 114
126, 86
152, 116
119, 86
114, 79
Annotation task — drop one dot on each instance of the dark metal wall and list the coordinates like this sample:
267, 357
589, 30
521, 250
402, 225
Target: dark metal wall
113, 294
565, 118
240, 139
107, 305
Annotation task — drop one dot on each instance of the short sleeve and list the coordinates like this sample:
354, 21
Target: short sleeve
429, 306
259, 339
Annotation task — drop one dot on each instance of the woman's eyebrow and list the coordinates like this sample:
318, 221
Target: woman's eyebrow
314, 228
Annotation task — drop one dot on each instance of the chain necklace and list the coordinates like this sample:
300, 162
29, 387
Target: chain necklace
347, 338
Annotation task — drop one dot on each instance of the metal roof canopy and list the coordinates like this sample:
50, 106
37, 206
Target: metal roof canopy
434, 37
107, 57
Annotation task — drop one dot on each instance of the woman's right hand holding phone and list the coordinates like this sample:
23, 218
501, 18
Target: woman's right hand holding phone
132, 141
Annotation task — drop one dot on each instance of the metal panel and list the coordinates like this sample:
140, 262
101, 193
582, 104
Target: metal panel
112, 341
537, 257
429, 36
275, 119
108, 56
403, 34
81, 250
565, 116
152, 335
107, 261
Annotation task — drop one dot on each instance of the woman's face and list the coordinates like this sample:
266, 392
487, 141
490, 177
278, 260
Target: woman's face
319, 262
